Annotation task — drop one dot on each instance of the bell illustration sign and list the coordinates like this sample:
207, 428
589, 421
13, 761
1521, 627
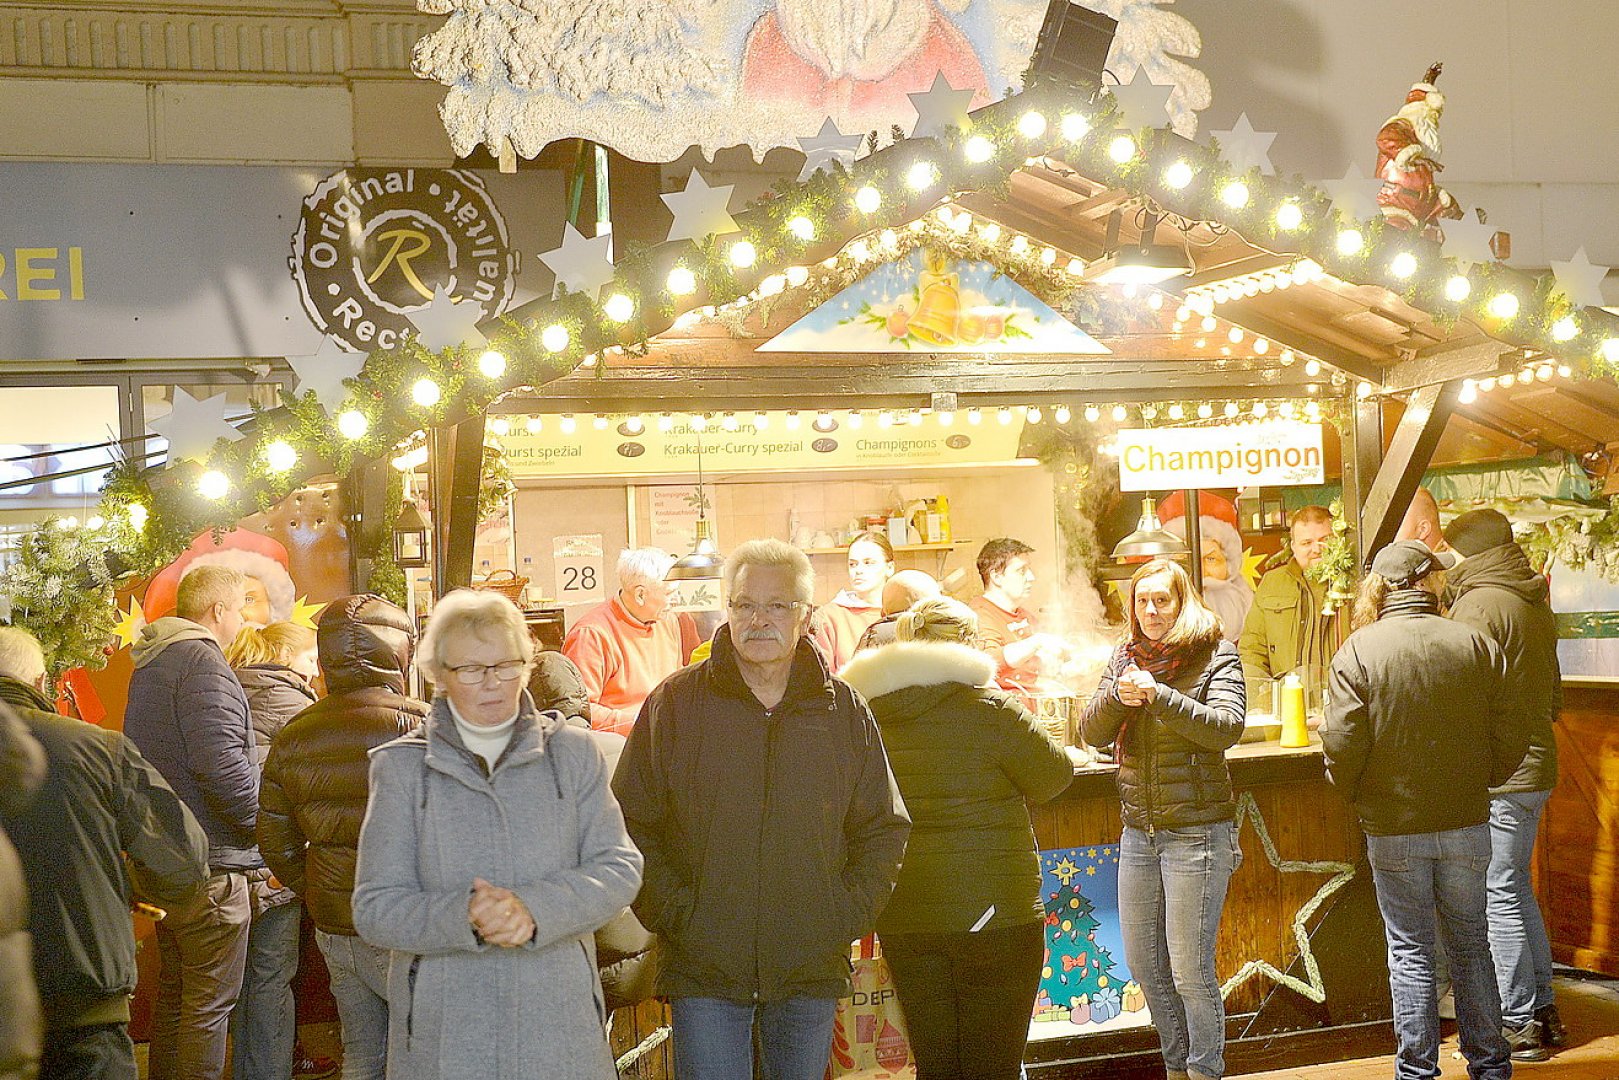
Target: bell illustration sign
1271, 454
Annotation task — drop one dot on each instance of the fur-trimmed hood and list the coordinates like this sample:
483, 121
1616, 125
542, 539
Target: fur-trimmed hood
906, 664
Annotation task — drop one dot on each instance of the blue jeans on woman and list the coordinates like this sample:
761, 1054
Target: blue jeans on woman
1431, 886
264, 1023
1518, 941
1172, 886
359, 974
714, 1038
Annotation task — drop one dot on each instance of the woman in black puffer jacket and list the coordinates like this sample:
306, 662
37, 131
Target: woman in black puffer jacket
1173, 700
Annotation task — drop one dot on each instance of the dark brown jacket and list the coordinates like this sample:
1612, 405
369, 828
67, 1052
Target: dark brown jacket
316, 779
22, 770
1171, 753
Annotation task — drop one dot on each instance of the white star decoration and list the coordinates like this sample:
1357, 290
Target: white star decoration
1467, 241
827, 147
581, 265
324, 370
445, 323
700, 211
1144, 103
192, 427
1578, 280
1244, 148
939, 108
1355, 195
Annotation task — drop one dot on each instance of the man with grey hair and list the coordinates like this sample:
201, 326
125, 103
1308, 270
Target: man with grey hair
756, 786
188, 715
629, 644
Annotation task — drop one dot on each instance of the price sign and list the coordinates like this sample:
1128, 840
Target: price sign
579, 568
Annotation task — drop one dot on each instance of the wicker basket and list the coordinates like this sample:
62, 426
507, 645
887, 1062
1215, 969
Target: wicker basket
508, 583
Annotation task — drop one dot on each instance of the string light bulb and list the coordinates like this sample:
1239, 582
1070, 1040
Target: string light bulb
1261, 410
1469, 392
1312, 367
1121, 149
138, 515
921, 176
801, 227
729, 422
599, 422
1075, 127
279, 456
975, 415
1289, 216
1004, 415
681, 281
793, 420
1231, 409
854, 419
1032, 125
500, 426
1092, 414
533, 425
1178, 175
1458, 288
868, 199
1119, 414
978, 149
492, 363
353, 424
425, 392
212, 484
569, 424
1235, 195
555, 338
619, 308
1404, 265
1350, 242
1177, 411
744, 254
1503, 306
1204, 411
1565, 329
1610, 350
1062, 414
1034, 415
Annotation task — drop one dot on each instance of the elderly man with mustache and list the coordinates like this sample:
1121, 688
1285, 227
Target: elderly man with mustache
756, 786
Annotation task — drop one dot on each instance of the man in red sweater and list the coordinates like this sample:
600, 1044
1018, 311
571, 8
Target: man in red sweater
628, 645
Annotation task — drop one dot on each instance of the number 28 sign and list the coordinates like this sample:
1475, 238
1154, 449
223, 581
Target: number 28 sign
579, 568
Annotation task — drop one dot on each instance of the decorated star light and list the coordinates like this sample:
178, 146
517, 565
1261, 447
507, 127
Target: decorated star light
1467, 241
825, 148
1244, 148
324, 370
700, 211
1143, 103
445, 322
1355, 194
304, 613
129, 625
192, 427
581, 265
1578, 280
939, 108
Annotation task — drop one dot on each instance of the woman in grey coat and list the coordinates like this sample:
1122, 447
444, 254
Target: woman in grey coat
492, 849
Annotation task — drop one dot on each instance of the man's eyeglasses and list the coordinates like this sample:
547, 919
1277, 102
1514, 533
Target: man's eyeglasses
473, 674
775, 610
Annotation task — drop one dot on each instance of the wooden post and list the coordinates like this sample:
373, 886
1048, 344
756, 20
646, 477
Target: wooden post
1194, 537
368, 513
1410, 450
456, 472
1361, 456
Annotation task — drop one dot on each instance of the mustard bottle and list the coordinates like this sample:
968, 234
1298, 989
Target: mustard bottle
1295, 733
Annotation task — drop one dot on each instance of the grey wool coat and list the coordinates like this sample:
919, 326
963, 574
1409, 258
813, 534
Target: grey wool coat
542, 823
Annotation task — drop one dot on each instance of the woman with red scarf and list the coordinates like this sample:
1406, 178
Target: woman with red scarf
1172, 700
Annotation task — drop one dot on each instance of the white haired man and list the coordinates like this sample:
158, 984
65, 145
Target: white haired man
628, 645
756, 786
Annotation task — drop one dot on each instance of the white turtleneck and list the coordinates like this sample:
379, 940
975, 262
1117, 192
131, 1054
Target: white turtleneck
487, 742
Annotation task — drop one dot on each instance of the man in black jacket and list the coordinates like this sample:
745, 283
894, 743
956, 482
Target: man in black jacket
1417, 731
188, 715
1496, 592
756, 786
100, 797
22, 770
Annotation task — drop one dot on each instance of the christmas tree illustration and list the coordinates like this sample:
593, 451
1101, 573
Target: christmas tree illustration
1078, 972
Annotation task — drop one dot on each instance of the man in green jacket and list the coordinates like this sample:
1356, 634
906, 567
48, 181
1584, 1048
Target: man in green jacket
1496, 592
1285, 628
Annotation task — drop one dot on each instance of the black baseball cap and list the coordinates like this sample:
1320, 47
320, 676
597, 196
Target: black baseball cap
1405, 561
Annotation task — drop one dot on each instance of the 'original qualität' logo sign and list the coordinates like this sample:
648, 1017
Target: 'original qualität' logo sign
372, 244
1276, 454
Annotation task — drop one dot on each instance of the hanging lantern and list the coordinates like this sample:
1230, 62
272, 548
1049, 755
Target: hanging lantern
410, 538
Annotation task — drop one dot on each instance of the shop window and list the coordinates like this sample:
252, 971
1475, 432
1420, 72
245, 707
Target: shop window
53, 432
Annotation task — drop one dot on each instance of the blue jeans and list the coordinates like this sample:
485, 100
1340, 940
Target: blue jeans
714, 1038
1431, 886
264, 1024
360, 984
1518, 941
1172, 886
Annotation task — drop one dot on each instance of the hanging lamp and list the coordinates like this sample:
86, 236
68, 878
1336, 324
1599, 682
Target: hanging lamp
1150, 540
705, 560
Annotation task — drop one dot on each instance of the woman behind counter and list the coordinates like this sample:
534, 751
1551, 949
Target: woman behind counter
965, 930
839, 623
1173, 699
491, 851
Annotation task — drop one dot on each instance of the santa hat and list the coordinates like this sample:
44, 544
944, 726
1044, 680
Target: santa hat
251, 553
1216, 520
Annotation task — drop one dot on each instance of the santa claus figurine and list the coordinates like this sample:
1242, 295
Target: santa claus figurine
1408, 153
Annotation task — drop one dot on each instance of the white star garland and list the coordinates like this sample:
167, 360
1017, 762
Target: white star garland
700, 210
581, 265
827, 147
1467, 241
1355, 194
939, 108
324, 370
1144, 103
445, 323
192, 427
1578, 280
1244, 148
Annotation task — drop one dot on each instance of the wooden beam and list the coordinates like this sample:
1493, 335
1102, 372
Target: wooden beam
1350, 363
457, 468
1362, 452
1568, 408
1430, 366
1407, 457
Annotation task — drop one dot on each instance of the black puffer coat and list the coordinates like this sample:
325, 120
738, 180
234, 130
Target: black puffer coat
317, 778
22, 770
1172, 768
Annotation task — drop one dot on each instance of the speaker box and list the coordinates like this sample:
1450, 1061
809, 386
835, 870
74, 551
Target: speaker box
1073, 45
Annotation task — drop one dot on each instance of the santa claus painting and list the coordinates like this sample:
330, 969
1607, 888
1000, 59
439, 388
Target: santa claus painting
1225, 589
856, 60
263, 561
1408, 156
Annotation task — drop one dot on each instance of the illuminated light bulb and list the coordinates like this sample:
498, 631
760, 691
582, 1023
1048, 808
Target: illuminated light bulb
1020, 244
1183, 313
1261, 346
978, 149
855, 419
534, 425
212, 484
772, 285
138, 515
569, 424
917, 225
796, 275
1178, 175
945, 215
1469, 392
888, 238
96, 521
1351, 242
1075, 127
699, 421
353, 424
1149, 412
1156, 301
1203, 304
1363, 390
1287, 357
1506, 380
963, 224
1231, 409
1048, 256
1208, 324
425, 392
1610, 350
1092, 414
1289, 216
589, 360
1503, 306
1564, 371
1235, 195
859, 251
1250, 287
1032, 125
885, 419
1004, 415
1062, 414
555, 338
823, 422
793, 420
1034, 415
1486, 385
681, 281
1404, 265
599, 422
1200, 343
1121, 149
760, 421
619, 308
1225, 350
729, 422
1565, 329
1261, 410
1204, 411
492, 363
946, 418
1286, 410
1220, 293
1235, 336
921, 176
279, 456
1312, 367
1076, 266
801, 227
1544, 373
1267, 283
991, 232
975, 416
868, 199
500, 426
634, 425
1119, 413
1177, 411
744, 254
1458, 288
71, 522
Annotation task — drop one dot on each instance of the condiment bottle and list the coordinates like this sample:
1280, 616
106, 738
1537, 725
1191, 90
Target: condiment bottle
1295, 732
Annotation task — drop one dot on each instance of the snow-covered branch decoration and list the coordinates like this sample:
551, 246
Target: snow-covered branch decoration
1154, 40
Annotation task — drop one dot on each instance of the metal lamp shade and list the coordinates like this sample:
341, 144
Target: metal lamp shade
703, 564
1150, 540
